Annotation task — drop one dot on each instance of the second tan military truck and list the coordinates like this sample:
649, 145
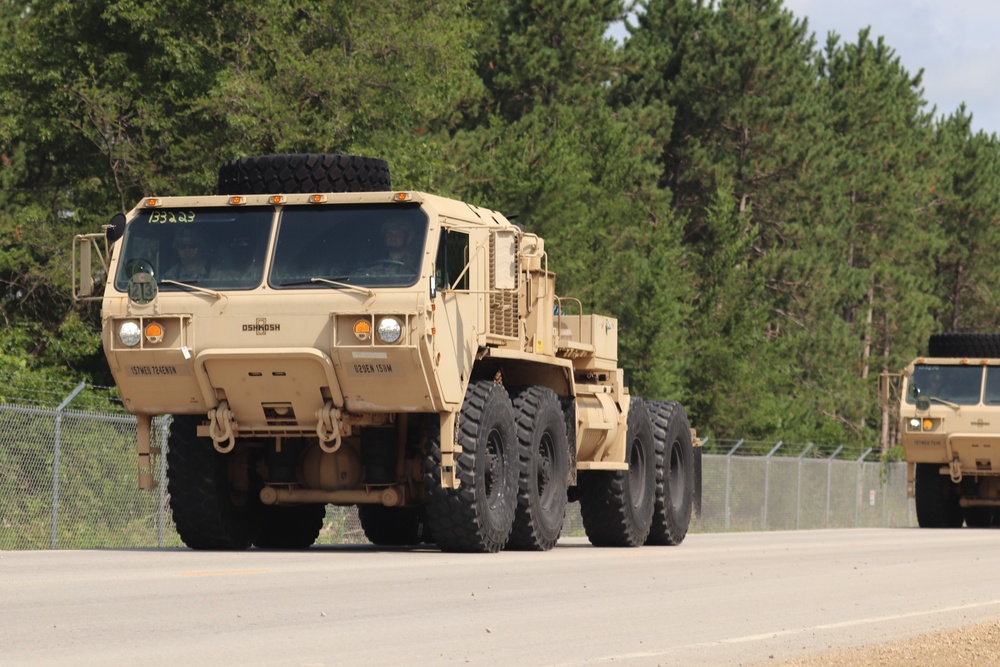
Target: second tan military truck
322, 339
949, 425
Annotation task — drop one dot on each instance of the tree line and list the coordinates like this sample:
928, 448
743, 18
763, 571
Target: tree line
774, 220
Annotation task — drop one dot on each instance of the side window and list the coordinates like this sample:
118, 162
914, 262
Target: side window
452, 258
992, 385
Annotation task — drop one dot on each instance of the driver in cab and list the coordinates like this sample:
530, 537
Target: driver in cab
400, 256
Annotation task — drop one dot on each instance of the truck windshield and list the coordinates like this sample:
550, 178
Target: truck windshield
956, 384
215, 248
364, 245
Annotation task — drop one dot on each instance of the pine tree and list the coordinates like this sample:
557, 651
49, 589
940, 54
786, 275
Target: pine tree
967, 209
883, 214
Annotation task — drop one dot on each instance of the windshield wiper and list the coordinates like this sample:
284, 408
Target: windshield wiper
191, 286
956, 406
335, 282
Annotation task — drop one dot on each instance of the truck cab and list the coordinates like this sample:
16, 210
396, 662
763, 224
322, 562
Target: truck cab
950, 432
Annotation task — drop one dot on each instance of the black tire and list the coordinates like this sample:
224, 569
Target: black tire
392, 526
477, 516
937, 498
303, 173
956, 344
291, 527
673, 498
543, 469
617, 507
979, 517
208, 511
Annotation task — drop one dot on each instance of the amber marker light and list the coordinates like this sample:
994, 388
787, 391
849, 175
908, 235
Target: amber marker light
154, 332
237, 200
402, 196
317, 199
928, 424
362, 329
278, 199
153, 201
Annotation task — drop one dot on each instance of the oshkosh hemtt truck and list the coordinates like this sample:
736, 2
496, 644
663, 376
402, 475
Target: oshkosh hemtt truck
949, 426
319, 338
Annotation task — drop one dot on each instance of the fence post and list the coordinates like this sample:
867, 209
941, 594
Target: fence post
55, 462
798, 488
829, 481
857, 495
161, 519
767, 483
729, 465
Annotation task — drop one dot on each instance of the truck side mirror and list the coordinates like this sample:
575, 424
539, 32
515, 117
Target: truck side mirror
115, 229
85, 247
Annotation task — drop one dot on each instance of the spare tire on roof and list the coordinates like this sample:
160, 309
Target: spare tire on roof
303, 173
957, 344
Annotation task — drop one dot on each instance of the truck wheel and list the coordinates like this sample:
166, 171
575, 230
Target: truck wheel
291, 527
937, 498
674, 489
392, 526
303, 173
960, 344
477, 516
209, 511
978, 517
617, 507
543, 463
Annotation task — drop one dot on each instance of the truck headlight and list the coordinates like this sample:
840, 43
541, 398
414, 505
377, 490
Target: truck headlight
389, 330
914, 424
129, 334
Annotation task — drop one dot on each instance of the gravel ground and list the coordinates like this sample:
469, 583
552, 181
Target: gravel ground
977, 645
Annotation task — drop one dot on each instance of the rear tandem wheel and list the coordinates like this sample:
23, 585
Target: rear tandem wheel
617, 507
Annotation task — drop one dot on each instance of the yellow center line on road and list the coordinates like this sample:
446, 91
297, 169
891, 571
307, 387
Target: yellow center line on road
222, 573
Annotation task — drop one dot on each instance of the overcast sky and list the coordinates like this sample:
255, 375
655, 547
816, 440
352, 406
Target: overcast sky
955, 42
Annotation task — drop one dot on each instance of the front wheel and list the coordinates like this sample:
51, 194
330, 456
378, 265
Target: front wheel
477, 516
212, 498
979, 517
293, 527
937, 498
393, 526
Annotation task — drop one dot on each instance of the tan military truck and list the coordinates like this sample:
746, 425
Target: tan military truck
949, 409
322, 339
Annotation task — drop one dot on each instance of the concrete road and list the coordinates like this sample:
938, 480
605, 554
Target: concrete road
721, 599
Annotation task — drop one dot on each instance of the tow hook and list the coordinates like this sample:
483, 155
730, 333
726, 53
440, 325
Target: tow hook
328, 428
955, 468
220, 427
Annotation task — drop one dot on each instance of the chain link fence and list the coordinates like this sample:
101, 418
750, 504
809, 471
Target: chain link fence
68, 480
